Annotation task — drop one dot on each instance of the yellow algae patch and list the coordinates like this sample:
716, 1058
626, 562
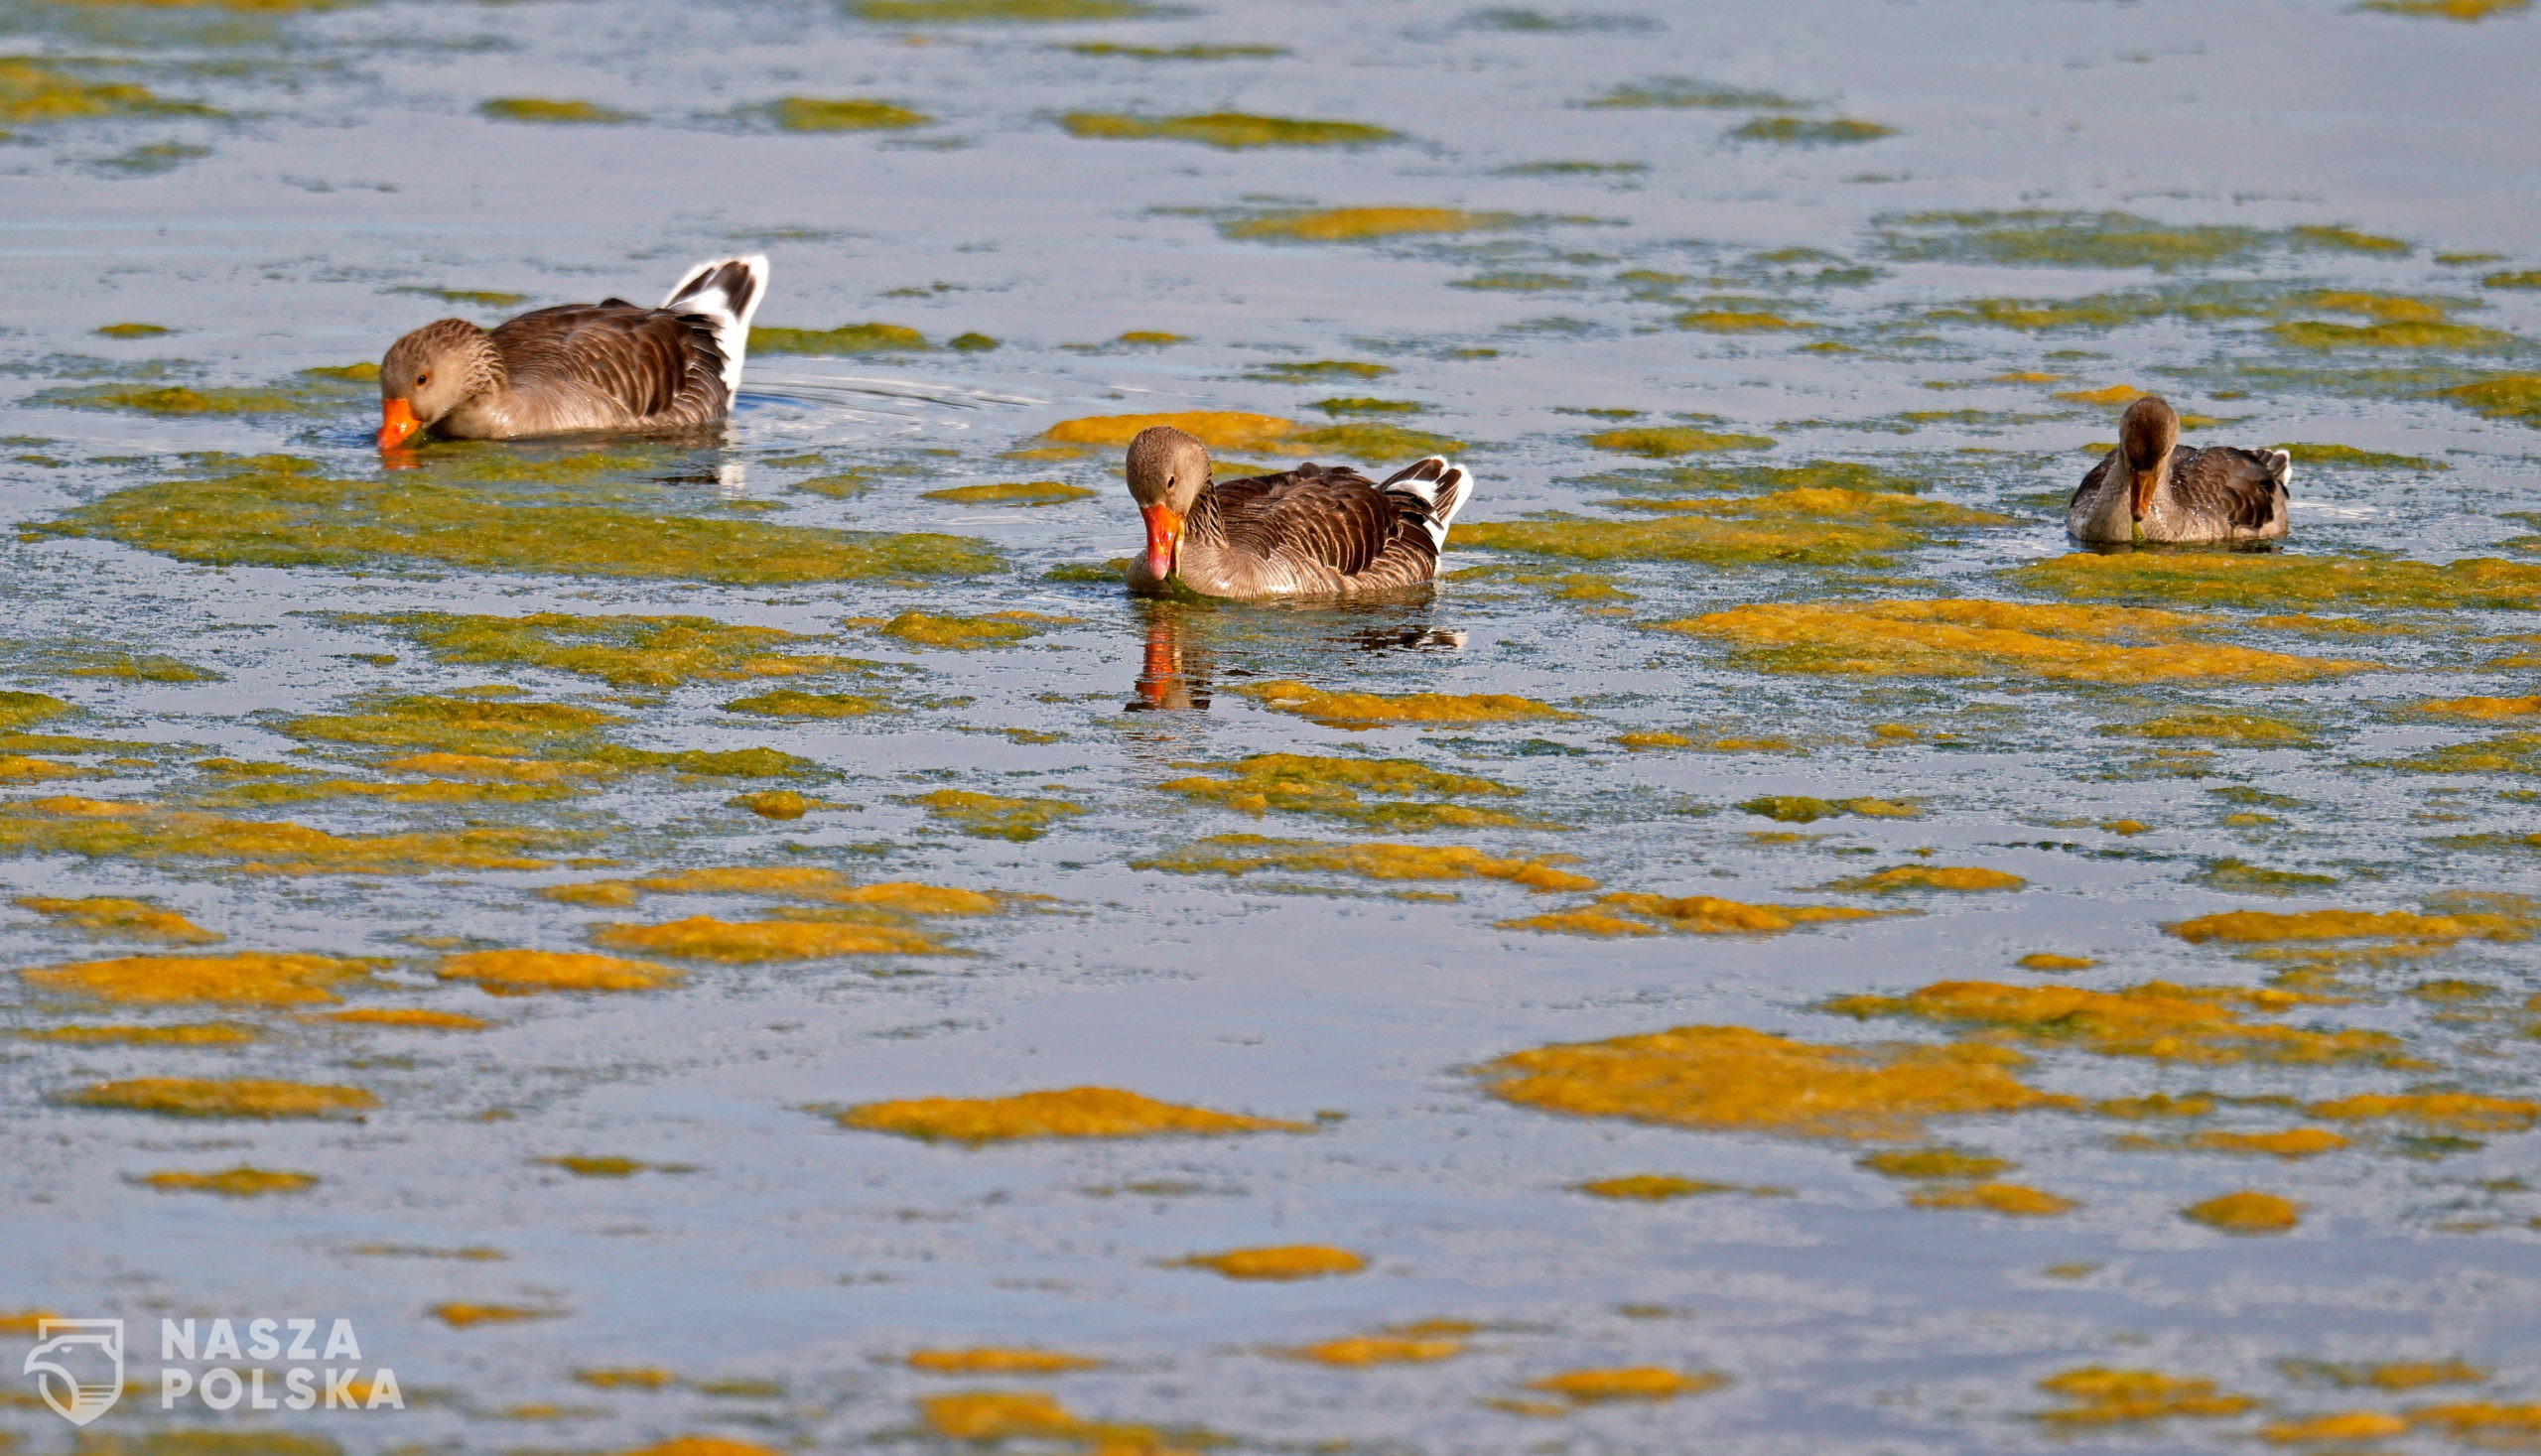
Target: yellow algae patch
24, 1321
1357, 1352
238, 1096
1239, 854
461, 1315
745, 879
197, 1033
1962, 878
1698, 914
1216, 429
778, 803
2482, 1422
1306, 784
998, 1415
2455, 1109
794, 703
2251, 927
2014, 1200
2155, 1019
1013, 493
624, 651
558, 113
107, 829
2219, 727
408, 1019
1280, 1261
1379, 710
1628, 1383
2050, 961
2483, 707
994, 816
1359, 224
1230, 131
1789, 539
525, 972
913, 899
274, 511
613, 893
482, 721
705, 1445
1666, 441
2246, 1212
745, 942
627, 1378
2272, 580
2388, 1374
489, 767
1979, 638
850, 113
2292, 1143
1662, 1187
997, 1359
2100, 1396
1934, 1163
1077, 1111
250, 978
125, 919
1734, 1079
2345, 1425
239, 1182
997, 629
18, 768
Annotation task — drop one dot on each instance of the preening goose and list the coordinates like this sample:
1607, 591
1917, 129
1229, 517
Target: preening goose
2153, 488
1316, 530
579, 368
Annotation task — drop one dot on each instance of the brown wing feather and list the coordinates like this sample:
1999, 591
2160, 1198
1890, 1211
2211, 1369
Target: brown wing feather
645, 361
1329, 515
2237, 485
2092, 483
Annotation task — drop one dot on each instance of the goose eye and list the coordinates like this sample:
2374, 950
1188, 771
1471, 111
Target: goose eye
421, 380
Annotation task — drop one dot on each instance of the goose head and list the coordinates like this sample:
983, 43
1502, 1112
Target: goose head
2146, 435
430, 373
1167, 472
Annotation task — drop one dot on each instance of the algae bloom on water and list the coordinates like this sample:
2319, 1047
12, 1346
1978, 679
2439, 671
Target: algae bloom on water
857, 113
566, 113
1378, 709
1279, 1262
1077, 1111
1359, 224
244, 1096
1227, 130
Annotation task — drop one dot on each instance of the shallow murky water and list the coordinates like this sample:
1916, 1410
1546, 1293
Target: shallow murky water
2039, 1101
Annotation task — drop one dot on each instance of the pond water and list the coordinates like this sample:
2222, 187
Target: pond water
1777, 954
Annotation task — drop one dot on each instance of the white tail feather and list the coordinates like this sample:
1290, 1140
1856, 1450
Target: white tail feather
725, 292
1439, 484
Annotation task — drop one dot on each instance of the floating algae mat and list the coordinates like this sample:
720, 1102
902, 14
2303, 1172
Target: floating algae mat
105, 829
2284, 581
1377, 710
622, 652
1975, 639
1406, 795
1081, 1111
279, 511
1229, 130
1234, 854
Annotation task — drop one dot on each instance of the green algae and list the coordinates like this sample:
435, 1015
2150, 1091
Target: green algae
1852, 475
133, 331
2235, 875
1681, 94
2348, 458
1812, 132
2039, 237
553, 113
1013, 493
1232, 131
1406, 795
2270, 579
1359, 224
2507, 753
478, 297
1315, 370
791, 703
2529, 278
2199, 302
110, 830
1695, 538
492, 727
2244, 728
1237, 854
1739, 316
275, 510
995, 12
995, 817
849, 113
17, 710
708, 763
180, 399
1664, 441
624, 651
1373, 440
2501, 397
962, 633
1803, 809
846, 338
1194, 51
1360, 404
2400, 334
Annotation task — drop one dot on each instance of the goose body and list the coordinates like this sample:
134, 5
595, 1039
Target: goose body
1316, 532
579, 369
2152, 488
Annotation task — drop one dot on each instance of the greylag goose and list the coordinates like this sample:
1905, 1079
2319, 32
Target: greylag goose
2153, 488
578, 368
1316, 530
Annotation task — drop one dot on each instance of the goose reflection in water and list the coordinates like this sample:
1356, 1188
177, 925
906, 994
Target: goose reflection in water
1183, 640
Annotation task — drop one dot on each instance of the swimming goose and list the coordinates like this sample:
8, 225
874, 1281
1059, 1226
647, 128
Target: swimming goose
579, 368
2153, 488
1316, 530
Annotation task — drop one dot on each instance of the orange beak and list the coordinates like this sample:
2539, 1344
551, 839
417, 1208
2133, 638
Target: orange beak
396, 422
1164, 539
2145, 480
